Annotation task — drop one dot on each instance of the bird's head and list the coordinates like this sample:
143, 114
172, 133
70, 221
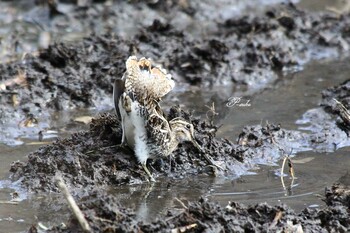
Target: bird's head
183, 131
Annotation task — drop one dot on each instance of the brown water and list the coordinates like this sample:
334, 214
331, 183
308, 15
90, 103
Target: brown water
285, 104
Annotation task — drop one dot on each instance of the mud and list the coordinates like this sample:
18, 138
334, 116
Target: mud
104, 214
243, 51
248, 52
336, 101
93, 158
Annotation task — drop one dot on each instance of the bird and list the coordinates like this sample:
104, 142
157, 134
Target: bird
143, 85
144, 125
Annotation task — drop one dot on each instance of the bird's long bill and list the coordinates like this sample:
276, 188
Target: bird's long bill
195, 143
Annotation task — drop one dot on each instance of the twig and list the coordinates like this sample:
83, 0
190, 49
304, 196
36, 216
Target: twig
176, 215
104, 220
290, 165
212, 113
181, 203
9, 202
73, 205
344, 113
283, 164
291, 172
291, 168
184, 228
278, 216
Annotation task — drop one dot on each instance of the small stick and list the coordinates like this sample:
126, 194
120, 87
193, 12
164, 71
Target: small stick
344, 113
283, 164
290, 165
291, 168
176, 215
9, 202
184, 228
181, 203
278, 217
73, 205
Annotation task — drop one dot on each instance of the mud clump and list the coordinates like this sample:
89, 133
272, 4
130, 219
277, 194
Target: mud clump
336, 101
80, 74
93, 158
246, 50
104, 214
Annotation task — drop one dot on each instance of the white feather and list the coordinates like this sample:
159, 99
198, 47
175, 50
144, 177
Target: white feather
140, 134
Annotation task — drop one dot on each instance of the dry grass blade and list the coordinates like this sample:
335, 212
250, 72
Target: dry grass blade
181, 203
9, 202
278, 216
291, 168
291, 172
184, 228
290, 165
211, 113
73, 205
344, 113
283, 164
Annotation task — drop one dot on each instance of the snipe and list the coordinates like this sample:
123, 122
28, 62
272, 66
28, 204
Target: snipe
145, 129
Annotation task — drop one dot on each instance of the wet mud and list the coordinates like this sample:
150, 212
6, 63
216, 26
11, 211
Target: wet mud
104, 214
336, 101
94, 158
248, 51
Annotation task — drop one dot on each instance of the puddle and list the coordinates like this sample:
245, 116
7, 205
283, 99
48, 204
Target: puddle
322, 5
306, 191
296, 94
264, 186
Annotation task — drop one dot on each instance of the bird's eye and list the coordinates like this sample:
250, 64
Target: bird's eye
188, 126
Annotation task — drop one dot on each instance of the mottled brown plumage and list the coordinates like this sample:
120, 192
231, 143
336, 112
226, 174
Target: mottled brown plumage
148, 84
145, 128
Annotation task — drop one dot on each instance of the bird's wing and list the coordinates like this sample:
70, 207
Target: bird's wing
118, 89
158, 129
145, 81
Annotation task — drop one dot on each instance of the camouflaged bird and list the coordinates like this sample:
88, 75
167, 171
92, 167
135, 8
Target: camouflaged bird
145, 129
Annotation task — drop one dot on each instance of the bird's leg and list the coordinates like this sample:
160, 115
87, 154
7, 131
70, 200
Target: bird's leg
148, 172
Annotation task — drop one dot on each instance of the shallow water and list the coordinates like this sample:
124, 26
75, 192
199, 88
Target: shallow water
293, 96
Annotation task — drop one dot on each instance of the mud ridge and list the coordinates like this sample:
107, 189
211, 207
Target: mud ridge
104, 214
93, 158
246, 50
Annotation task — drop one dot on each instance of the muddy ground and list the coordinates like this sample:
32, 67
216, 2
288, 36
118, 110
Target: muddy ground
93, 158
90, 160
104, 214
247, 51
